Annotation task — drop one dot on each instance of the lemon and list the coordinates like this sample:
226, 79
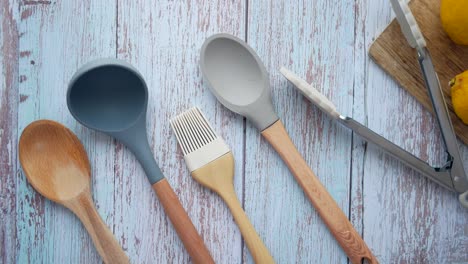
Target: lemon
454, 16
459, 89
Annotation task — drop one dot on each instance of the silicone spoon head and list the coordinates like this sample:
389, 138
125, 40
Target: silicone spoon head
54, 161
111, 96
238, 78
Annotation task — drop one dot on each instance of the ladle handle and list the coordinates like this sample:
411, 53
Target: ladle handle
327, 208
182, 223
104, 241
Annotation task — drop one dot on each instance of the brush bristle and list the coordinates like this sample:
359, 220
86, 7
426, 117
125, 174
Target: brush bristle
192, 130
197, 139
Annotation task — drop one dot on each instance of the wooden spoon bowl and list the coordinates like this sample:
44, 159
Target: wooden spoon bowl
54, 161
56, 165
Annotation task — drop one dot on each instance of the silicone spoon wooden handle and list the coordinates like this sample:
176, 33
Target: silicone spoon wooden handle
327, 208
182, 223
106, 245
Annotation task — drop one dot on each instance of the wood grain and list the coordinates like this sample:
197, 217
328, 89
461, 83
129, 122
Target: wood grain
313, 39
52, 46
57, 166
406, 217
162, 40
182, 223
218, 175
336, 221
393, 53
403, 217
104, 241
9, 54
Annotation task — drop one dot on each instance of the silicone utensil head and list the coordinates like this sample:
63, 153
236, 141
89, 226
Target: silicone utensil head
238, 79
108, 95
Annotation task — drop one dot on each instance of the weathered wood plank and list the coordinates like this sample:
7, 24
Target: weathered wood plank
404, 217
407, 218
367, 23
8, 125
359, 111
162, 39
314, 39
55, 39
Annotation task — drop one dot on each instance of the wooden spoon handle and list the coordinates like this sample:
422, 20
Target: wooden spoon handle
182, 223
327, 208
106, 244
259, 252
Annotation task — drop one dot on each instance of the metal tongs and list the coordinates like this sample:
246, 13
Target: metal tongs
450, 175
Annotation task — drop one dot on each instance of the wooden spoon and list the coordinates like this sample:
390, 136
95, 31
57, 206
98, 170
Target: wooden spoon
56, 165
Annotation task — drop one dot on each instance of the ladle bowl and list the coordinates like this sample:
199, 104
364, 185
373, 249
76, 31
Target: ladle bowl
118, 100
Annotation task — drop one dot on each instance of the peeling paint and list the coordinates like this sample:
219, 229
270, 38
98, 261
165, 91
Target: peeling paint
25, 54
35, 2
8, 126
23, 98
324, 41
25, 14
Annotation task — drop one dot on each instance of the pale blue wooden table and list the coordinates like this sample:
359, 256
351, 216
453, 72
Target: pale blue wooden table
402, 216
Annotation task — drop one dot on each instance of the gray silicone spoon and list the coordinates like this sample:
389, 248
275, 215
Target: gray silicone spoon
111, 96
237, 77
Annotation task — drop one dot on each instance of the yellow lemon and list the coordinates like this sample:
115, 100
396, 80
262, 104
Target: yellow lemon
454, 16
459, 89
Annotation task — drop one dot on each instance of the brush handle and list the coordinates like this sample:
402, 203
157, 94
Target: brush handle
259, 252
327, 208
218, 176
182, 223
104, 241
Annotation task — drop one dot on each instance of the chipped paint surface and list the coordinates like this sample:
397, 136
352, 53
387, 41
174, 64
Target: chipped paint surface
403, 217
8, 123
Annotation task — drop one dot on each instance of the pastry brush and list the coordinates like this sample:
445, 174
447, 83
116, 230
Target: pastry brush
211, 163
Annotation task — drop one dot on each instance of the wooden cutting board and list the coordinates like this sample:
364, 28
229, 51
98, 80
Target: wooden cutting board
393, 53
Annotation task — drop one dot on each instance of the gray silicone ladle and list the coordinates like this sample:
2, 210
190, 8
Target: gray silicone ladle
111, 96
238, 79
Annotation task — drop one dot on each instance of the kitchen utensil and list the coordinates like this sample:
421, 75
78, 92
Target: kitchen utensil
237, 77
111, 96
391, 52
450, 175
442, 175
454, 164
211, 163
56, 165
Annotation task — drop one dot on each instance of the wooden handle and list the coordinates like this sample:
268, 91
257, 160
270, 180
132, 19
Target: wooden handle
104, 241
327, 208
182, 223
218, 176
259, 252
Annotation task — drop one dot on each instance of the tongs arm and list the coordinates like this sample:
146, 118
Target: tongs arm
451, 175
415, 38
458, 175
439, 175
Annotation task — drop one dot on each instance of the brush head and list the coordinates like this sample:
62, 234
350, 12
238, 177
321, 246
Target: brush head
197, 139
